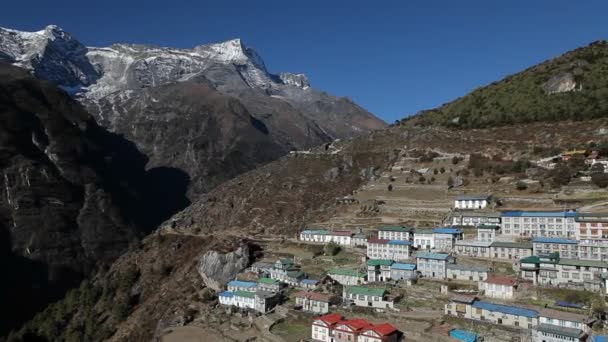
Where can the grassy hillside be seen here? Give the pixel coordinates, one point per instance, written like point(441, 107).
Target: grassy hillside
point(533, 94)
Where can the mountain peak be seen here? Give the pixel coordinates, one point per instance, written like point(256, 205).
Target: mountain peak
point(231, 51)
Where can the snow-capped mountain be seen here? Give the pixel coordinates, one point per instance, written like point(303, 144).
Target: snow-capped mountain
point(127, 86)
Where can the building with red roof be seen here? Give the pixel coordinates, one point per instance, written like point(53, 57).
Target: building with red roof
point(500, 287)
point(379, 333)
point(334, 328)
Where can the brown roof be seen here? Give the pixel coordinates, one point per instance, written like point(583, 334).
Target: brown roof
point(564, 315)
point(501, 280)
point(314, 296)
point(463, 298)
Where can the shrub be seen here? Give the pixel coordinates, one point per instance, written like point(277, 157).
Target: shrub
point(421, 179)
point(331, 248)
point(600, 179)
point(442, 170)
point(521, 186)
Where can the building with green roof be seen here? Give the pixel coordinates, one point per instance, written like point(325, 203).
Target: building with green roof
point(550, 270)
point(268, 284)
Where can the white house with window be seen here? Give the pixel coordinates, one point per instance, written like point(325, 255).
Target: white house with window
point(471, 201)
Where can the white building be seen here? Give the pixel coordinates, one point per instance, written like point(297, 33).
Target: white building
point(347, 276)
point(237, 285)
point(466, 272)
point(539, 223)
point(561, 326)
point(471, 202)
point(342, 238)
point(499, 287)
point(379, 270)
point(314, 235)
point(396, 233)
point(367, 297)
point(334, 328)
point(388, 249)
point(424, 239)
point(474, 218)
point(487, 232)
point(260, 301)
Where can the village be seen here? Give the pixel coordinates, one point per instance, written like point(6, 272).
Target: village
point(471, 268)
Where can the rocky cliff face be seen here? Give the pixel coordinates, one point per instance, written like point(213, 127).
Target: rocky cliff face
point(217, 269)
point(73, 195)
point(153, 94)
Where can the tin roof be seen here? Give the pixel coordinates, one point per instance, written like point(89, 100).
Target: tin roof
point(396, 229)
point(388, 242)
point(518, 213)
point(446, 230)
point(404, 267)
point(473, 243)
point(379, 262)
point(562, 331)
point(320, 297)
point(554, 240)
point(505, 244)
point(473, 268)
point(366, 291)
point(246, 294)
point(265, 280)
point(472, 197)
point(309, 281)
point(383, 329)
point(501, 280)
point(586, 263)
point(565, 316)
point(506, 309)
point(240, 283)
point(434, 256)
point(460, 298)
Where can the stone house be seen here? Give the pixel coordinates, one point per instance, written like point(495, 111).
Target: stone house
point(402, 271)
point(510, 250)
point(367, 297)
point(347, 276)
point(473, 248)
point(466, 272)
point(433, 265)
point(388, 249)
point(313, 302)
point(445, 238)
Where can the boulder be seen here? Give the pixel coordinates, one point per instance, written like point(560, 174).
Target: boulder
point(217, 269)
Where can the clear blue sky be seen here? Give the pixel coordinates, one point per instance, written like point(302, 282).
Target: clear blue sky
point(392, 57)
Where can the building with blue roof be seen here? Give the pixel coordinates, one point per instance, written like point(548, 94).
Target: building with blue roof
point(403, 271)
point(499, 314)
point(309, 284)
point(463, 335)
point(445, 238)
point(238, 285)
point(566, 248)
point(539, 223)
point(433, 265)
point(599, 338)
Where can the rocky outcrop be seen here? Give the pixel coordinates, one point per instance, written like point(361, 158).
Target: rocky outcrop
point(297, 80)
point(561, 83)
point(73, 196)
point(217, 269)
